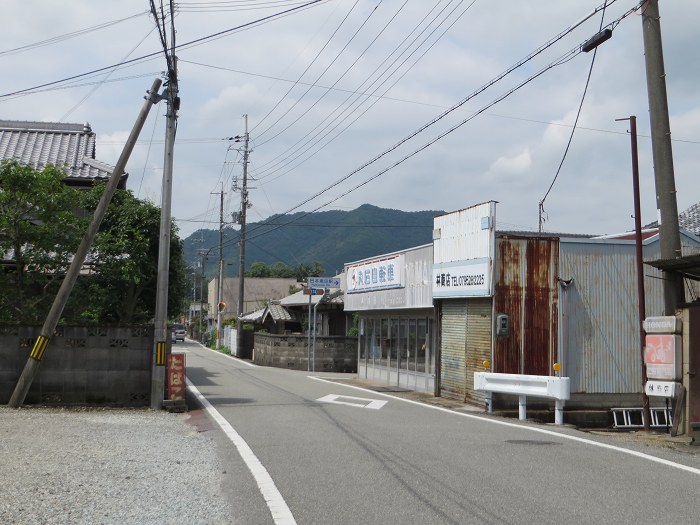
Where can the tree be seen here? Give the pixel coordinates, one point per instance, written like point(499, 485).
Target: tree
point(124, 259)
point(258, 269)
point(42, 222)
point(39, 232)
point(303, 271)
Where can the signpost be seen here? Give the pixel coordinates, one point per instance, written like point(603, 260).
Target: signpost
point(323, 282)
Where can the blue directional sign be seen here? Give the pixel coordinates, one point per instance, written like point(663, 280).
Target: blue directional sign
point(324, 282)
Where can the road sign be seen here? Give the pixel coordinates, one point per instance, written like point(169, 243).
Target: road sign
point(314, 291)
point(323, 282)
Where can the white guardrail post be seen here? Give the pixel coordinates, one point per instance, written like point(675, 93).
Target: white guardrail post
point(551, 387)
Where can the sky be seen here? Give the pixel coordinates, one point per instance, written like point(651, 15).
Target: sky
point(402, 104)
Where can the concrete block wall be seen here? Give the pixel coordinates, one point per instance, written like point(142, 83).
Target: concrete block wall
point(108, 366)
point(333, 353)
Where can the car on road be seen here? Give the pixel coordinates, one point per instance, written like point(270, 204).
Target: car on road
point(179, 331)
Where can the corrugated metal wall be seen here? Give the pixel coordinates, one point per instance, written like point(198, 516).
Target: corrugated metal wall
point(478, 343)
point(465, 344)
point(526, 290)
point(452, 348)
point(601, 337)
point(462, 235)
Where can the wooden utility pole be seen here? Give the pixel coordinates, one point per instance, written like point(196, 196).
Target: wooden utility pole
point(669, 236)
point(39, 349)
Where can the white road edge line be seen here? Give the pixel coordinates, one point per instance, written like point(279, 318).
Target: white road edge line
point(227, 355)
point(275, 502)
point(642, 455)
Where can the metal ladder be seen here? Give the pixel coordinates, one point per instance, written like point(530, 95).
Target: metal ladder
point(661, 417)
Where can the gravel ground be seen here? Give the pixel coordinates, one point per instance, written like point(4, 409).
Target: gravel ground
point(107, 466)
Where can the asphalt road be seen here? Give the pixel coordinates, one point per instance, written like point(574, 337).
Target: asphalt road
point(300, 449)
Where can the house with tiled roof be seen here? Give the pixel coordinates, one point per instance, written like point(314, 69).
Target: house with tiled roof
point(687, 220)
point(67, 146)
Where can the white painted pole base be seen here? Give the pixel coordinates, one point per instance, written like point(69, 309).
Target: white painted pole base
point(559, 412)
point(522, 408)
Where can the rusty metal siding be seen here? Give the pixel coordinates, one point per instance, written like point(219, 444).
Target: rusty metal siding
point(526, 290)
point(478, 344)
point(452, 348)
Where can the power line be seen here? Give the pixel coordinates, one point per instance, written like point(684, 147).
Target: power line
point(480, 90)
point(333, 61)
point(340, 118)
point(563, 59)
point(573, 129)
point(191, 43)
point(298, 81)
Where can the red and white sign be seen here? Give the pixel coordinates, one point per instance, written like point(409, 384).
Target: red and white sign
point(176, 376)
point(662, 355)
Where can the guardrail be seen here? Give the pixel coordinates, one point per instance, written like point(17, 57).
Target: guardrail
point(552, 387)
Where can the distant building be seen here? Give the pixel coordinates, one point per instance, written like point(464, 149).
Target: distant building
point(258, 292)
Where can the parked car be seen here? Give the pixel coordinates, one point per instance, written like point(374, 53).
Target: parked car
point(179, 331)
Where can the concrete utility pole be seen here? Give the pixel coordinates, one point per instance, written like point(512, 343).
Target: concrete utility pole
point(161, 336)
point(39, 349)
point(220, 283)
point(242, 218)
point(669, 236)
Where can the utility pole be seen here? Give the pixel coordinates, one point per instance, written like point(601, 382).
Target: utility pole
point(242, 218)
point(171, 96)
point(669, 236)
point(31, 369)
point(203, 257)
point(641, 296)
point(220, 283)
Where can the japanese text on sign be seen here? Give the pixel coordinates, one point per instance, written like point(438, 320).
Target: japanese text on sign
point(375, 275)
point(462, 280)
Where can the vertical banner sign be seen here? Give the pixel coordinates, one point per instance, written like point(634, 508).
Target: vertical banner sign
point(160, 353)
point(176, 376)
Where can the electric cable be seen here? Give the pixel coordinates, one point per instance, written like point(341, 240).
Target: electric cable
point(186, 45)
point(413, 134)
point(333, 61)
point(541, 211)
point(563, 59)
point(318, 54)
point(269, 170)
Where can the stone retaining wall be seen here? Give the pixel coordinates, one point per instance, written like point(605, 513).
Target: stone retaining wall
point(333, 353)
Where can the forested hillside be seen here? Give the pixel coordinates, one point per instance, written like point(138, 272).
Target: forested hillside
point(331, 237)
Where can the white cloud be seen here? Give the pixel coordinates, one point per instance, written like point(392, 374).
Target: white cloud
point(509, 153)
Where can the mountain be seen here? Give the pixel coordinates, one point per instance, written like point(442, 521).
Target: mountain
point(331, 237)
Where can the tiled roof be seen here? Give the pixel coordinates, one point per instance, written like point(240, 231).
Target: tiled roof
point(68, 146)
point(278, 312)
point(688, 220)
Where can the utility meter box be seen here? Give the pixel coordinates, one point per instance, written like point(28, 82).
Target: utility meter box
point(502, 325)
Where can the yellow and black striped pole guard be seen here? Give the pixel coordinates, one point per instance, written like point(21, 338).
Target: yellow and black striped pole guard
point(39, 348)
point(160, 353)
